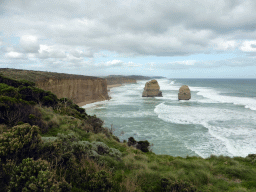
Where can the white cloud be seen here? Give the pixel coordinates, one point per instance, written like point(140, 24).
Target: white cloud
point(223, 45)
point(186, 62)
point(248, 46)
point(14, 55)
point(29, 43)
point(114, 63)
point(46, 51)
point(132, 64)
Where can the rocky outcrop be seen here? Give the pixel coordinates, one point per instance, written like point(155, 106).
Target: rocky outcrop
point(79, 90)
point(152, 89)
point(184, 93)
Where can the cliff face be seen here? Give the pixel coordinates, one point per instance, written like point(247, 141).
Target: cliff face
point(79, 90)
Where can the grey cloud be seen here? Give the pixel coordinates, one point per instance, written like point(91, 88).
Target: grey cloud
point(161, 28)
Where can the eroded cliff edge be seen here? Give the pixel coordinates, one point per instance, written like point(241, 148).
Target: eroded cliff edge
point(79, 88)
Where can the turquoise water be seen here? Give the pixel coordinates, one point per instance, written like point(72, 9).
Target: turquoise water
point(219, 119)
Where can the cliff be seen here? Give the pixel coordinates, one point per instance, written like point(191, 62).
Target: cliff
point(79, 88)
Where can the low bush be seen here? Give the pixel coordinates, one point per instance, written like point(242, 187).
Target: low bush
point(20, 142)
point(141, 145)
point(33, 175)
point(176, 186)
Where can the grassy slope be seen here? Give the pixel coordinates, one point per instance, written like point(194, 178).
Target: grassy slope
point(142, 171)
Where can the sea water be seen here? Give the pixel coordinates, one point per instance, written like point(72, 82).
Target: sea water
point(219, 119)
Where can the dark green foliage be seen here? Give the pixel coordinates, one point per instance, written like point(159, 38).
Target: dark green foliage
point(141, 145)
point(15, 83)
point(20, 142)
point(252, 158)
point(38, 95)
point(17, 110)
point(33, 175)
point(176, 186)
point(131, 141)
point(100, 181)
point(67, 107)
point(10, 92)
point(96, 124)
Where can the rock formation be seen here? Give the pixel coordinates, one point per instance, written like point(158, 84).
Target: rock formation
point(151, 89)
point(184, 93)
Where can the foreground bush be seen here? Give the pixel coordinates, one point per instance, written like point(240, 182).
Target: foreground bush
point(33, 175)
point(19, 142)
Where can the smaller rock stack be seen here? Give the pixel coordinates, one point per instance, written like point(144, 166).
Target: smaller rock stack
point(152, 89)
point(184, 93)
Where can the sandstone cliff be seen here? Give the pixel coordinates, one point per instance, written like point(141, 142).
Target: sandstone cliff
point(152, 89)
point(184, 93)
point(79, 88)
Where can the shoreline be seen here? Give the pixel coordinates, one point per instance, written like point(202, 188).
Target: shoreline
point(81, 104)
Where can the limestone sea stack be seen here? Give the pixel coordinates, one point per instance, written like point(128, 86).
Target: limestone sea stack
point(184, 93)
point(152, 89)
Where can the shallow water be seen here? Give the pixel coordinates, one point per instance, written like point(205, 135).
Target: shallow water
point(219, 119)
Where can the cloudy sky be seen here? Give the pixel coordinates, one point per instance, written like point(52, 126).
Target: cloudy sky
point(176, 39)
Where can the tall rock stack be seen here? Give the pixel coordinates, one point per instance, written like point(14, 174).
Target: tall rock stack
point(184, 93)
point(152, 89)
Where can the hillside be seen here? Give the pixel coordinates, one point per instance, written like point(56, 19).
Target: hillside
point(50, 144)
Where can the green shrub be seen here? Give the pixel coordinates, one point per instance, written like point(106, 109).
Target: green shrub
point(176, 186)
point(143, 146)
point(20, 142)
point(100, 147)
point(82, 148)
point(33, 175)
point(96, 124)
point(17, 110)
point(100, 181)
point(113, 152)
point(131, 141)
point(10, 92)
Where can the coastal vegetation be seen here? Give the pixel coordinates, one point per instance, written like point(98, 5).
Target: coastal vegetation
point(51, 144)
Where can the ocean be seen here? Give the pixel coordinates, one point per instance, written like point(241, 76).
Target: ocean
point(219, 119)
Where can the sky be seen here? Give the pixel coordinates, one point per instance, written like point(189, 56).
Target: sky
point(175, 39)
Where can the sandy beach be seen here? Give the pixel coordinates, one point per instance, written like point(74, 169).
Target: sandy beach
point(111, 86)
point(92, 101)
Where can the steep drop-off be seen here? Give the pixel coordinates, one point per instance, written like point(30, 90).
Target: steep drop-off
point(79, 90)
point(76, 87)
